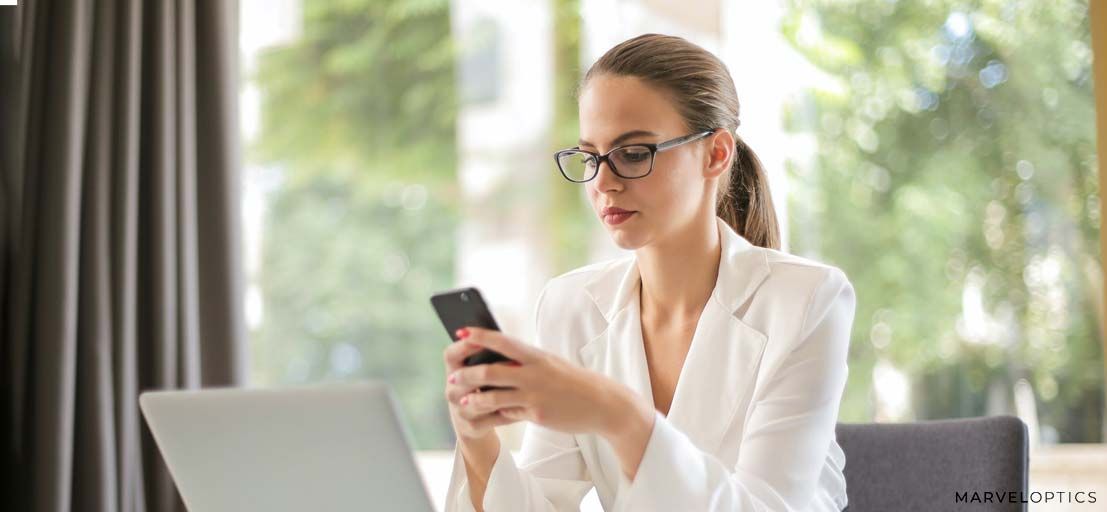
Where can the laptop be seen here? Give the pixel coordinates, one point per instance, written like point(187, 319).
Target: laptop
point(332, 447)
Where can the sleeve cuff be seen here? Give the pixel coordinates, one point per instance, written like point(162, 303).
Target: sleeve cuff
point(503, 483)
point(668, 470)
point(457, 497)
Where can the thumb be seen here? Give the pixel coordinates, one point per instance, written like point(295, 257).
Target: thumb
point(497, 341)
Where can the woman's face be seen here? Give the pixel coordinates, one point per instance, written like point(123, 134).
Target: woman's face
point(620, 110)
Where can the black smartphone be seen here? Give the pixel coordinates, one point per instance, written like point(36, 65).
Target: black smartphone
point(463, 307)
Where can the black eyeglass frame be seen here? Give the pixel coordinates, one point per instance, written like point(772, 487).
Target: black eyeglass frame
point(600, 159)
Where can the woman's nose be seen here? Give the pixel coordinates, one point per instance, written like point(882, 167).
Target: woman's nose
point(606, 178)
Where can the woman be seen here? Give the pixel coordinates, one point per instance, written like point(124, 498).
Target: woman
point(704, 372)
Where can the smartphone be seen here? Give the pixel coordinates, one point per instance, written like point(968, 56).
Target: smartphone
point(463, 307)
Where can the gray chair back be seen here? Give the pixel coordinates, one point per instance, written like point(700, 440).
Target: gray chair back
point(929, 465)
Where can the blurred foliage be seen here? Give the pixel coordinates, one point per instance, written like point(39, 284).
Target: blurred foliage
point(955, 182)
point(358, 128)
point(955, 164)
point(358, 125)
point(571, 221)
point(368, 87)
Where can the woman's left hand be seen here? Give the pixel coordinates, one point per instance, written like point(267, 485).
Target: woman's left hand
point(546, 389)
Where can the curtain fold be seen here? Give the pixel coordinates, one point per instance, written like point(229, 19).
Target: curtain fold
point(119, 263)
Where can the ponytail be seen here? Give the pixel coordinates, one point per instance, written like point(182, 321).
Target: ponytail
point(747, 205)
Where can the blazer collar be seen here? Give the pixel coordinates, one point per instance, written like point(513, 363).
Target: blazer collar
point(741, 271)
point(725, 353)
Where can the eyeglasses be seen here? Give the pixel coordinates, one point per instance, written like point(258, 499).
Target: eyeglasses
point(631, 161)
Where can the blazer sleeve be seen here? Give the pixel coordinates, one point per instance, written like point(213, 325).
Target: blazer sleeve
point(550, 476)
point(787, 434)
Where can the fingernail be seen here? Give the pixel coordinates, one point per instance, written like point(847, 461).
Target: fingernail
point(452, 378)
point(462, 333)
point(464, 400)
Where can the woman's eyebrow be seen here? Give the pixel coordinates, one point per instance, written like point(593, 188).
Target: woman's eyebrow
point(621, 138)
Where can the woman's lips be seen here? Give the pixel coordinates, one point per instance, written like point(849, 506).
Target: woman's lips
point(614, 219)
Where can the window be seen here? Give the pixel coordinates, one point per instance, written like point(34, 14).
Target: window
point(941, 153)
point(350, 169)
point(953, 177)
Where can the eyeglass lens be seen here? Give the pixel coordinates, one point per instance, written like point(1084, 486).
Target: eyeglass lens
point(629, 162)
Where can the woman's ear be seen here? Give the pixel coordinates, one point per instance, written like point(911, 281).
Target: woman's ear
point(720, 153)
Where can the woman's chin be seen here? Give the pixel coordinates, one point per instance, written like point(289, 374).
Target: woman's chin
point(626, 240)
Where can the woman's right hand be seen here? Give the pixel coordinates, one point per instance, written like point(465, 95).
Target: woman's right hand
point(468, 425)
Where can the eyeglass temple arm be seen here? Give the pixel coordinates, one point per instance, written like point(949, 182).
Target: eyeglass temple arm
point(682, 140)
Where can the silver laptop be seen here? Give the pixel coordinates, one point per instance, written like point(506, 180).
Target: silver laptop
point(332, 447)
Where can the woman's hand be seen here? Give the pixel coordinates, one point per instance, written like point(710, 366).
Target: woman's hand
point(544, 389)
point(469, 423)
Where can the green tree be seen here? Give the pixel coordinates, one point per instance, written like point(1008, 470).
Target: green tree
point(570, 222)
point(358, 126)
point(358, 121)
point(955, 184)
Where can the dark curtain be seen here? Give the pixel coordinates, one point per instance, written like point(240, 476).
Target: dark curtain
point(119, 263)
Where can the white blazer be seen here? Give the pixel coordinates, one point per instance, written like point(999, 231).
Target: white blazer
point(751, 425)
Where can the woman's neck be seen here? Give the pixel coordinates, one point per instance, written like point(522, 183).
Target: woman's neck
point(679, 274)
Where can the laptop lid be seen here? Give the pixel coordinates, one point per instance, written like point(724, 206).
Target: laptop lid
point(325, 447)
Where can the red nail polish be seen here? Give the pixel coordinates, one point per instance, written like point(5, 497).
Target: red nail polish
point(464, 400)
point(462, 333)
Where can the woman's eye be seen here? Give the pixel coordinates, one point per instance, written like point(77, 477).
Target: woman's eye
point(636, 156)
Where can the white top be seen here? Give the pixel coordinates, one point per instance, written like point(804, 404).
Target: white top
point(751, 425)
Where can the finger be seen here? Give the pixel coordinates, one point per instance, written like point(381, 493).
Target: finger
point(490, 420)
point(514, 413)
point(509, 347)
point(489, 401)
point(456, 352)
point(454, 393)
point(500, 375)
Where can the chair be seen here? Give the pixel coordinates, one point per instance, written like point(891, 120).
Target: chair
point(925, 465)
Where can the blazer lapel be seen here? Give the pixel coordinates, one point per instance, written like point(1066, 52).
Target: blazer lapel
point(721, 367)
point(617, 351)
